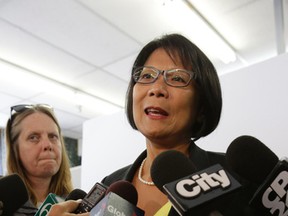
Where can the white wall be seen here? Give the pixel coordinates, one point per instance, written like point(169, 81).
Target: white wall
point(255, 102)
point(108, 144)
point(76, 176)
point(3, 120)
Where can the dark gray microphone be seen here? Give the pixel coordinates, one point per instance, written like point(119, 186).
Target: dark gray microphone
point(76, 194)
point(13, 194)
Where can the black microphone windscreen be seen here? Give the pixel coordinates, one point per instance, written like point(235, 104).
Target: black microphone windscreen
point(169, 166)
point(76, 194)
point(250, 158)
point(124, 189)
point(13, 193)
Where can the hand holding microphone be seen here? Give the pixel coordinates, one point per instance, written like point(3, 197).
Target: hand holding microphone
point(53, 199)
point(63, 208)
point(71, 203)
point(120, 199)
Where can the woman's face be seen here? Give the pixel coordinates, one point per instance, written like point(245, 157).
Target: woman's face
point(39, 145)
point(163, 111)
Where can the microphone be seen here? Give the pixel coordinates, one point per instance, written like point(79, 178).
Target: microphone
point(50, 200)
point(9, 186)
point(96, 193)
point(76, 194)
point(252, 160)
point(169, 166)
point(120, 199)
point(190, 192)
point(124, 189)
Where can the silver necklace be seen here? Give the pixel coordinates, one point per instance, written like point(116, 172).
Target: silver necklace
point(150, 183)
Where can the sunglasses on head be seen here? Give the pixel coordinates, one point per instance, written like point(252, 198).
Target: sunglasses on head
point(22, 107)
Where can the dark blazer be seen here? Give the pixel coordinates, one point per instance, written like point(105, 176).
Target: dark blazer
point(235, 205)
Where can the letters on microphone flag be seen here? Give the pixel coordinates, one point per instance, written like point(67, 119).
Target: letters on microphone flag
point(197, 189)
point(112, 204)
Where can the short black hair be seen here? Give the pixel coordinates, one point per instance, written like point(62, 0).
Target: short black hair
point(207, 80)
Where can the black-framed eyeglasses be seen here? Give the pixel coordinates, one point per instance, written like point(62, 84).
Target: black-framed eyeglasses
point(173, 77)
point(22, 107)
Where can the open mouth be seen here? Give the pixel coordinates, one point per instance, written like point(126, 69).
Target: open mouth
point(156, 111)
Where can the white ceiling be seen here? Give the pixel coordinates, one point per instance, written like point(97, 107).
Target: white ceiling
point(90, 45)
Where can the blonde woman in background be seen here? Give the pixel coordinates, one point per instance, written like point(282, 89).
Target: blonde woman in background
point(36, 151)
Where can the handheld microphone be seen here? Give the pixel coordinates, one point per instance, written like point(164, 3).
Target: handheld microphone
point(9, 186)
point(124, 189)
point(120, 199)
point(251, 159)
point(169, 166)
point(96, 193)
point(190, 192)
point(50, 200)
point(76, 194)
